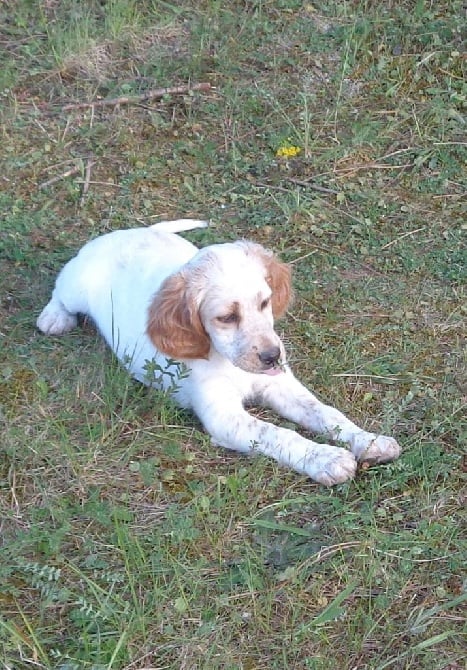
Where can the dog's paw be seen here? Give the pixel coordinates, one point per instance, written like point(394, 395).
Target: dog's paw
point(332, 465)
point(55, 320)
point(372, 449)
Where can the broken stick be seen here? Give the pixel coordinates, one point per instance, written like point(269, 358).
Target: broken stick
point(69, 173)
point(87, 180)
point(132, 99)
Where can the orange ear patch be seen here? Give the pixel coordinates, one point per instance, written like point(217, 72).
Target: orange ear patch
point(174, 325)
point(279, 278)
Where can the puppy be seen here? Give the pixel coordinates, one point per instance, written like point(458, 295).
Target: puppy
point(200, 323)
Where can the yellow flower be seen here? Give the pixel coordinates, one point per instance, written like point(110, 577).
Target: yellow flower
point(288, 151)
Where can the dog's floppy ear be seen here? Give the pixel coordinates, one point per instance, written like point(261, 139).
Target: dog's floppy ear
point(279, 279)
point(174, 325)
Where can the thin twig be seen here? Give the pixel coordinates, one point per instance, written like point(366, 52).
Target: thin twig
point(448, 144)
point(401, 237)
point(13, 493)
point(344, 213)
point(327, 552)
point(134, 99)
point(450, 195)
point(259, 184)
point(368, 376)
point(69, 173)
point(307, 183)
point(396, 153)
point(369, 315)
point(103, 183)
point(414, 560)
point(87, 180)
point(372, 166)
point(323, 554)
point(301, 258)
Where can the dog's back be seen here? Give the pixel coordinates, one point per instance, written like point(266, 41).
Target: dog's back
point(130, 264)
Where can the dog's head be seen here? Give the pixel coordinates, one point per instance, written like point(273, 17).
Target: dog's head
point(225, 299)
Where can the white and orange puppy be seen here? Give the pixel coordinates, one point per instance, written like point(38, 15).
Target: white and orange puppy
point(201, 324)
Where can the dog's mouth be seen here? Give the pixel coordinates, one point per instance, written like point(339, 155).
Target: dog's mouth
point(273, 371)
point(270, 368)
point(276, 369)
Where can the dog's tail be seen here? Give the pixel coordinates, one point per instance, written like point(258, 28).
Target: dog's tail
point(179, 226)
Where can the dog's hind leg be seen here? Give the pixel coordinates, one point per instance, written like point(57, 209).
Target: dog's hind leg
point(68, 299)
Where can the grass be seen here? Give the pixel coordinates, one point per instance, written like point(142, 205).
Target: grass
point(127, 540)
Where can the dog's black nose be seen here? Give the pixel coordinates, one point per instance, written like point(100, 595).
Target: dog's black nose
point(270, 357)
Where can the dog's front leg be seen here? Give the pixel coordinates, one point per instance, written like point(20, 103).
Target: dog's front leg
point(231, 426)
point(288, 397)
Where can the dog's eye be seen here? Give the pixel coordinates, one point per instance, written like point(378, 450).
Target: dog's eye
point(264, 304)
point(228, 318)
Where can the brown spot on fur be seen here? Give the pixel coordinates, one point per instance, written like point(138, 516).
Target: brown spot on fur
point(174, 325)
point(279, 279)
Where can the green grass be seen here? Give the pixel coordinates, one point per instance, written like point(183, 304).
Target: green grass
point(127, 540)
